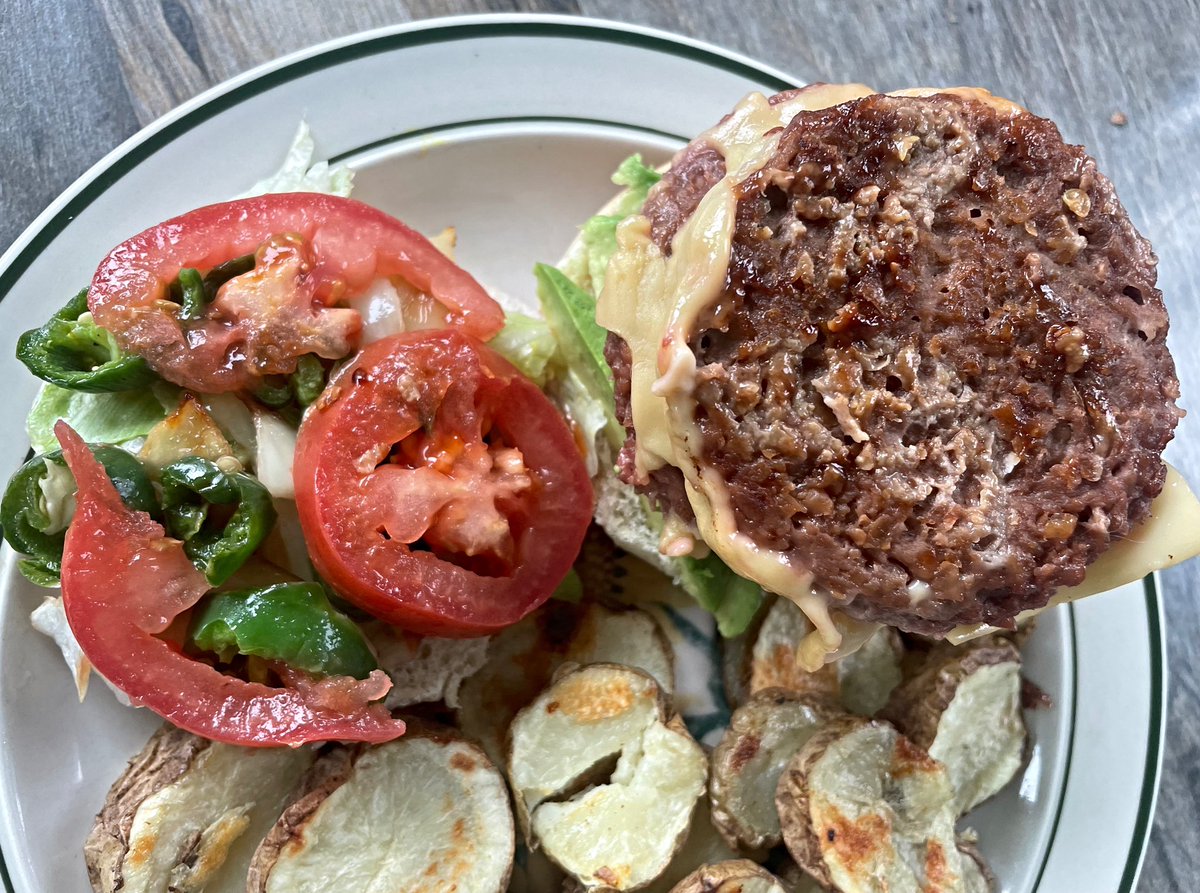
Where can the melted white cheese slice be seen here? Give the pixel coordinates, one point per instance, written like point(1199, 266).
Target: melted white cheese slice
point(1170, 535)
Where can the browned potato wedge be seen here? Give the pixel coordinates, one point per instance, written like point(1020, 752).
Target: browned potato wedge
point(763, 736)
point(187, 814)
point(522, 659)
point(766, 657)
point(734, 876)
point(964, 708)
point(424, 812)
point(604, 782)
point(863, 811)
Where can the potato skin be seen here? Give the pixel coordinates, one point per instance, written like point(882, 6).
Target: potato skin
point(709, 878)
point(793, 802)
point(917, 705)
point(166, 757)
point(750, 727)
point(326, 775)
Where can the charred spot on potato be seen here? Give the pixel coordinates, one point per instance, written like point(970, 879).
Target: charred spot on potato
point(862, 810)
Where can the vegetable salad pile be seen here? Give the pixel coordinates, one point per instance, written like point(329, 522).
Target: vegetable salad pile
point(266, 422)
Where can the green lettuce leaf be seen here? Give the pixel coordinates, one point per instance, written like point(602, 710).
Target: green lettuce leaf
point(571, 314)
point(113, 417)
point(528, 344)
point(731, 599)
point(599, 234)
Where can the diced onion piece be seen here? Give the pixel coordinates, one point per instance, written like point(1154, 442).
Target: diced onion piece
point(274, 451)
point(380, 309)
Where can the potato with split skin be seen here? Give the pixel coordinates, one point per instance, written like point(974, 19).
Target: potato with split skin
point(522, 659)
point(766, 656)
point(734, 876)
point(187, 814)
point(763, 736)
point(865, 811)
point(605, 781)
point(426, 812)
point(964, 708)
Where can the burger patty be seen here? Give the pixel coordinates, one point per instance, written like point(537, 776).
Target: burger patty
point(938, 375)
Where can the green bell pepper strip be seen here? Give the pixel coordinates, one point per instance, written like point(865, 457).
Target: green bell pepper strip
point(289, 622)
point(74, 353)
point(303, 386)
point(31, 531)
point(309, 379)
point(194, 292)
point(190, 487)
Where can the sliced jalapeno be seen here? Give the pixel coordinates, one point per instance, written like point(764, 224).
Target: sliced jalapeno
point(35, 513)
point(73, 352)
point(290, 622)
point(218, 544)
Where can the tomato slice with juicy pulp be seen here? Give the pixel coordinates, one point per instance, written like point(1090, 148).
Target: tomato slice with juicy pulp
point(438, 488)
point(312, 252)
point(124, 582)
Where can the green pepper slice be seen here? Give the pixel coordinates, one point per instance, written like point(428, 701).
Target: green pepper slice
point(290, 622)
point(31, 531)
point(73, 352)
point(190, 487)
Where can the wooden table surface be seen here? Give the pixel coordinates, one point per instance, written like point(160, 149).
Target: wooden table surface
point(79, 76)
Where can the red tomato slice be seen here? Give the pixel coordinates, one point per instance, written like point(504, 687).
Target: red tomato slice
point(438, 489)
point(124, 581)
point(312, 252)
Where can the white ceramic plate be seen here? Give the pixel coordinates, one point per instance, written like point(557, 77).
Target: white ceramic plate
point(506, 127)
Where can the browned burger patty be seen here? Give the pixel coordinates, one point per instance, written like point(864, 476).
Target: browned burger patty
point(938, 376)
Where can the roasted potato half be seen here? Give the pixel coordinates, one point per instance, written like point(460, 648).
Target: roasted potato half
point(427, 811)
point(522, 659)
point(605, 782)
point(734, 876)
point(964, 708)
point(767, 657)
point(863, 810)
point(763, 736)
point(187, 814)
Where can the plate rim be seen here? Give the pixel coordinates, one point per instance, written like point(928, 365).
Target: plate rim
point(115, 164)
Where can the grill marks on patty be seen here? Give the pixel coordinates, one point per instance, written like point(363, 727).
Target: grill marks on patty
point(938, 375)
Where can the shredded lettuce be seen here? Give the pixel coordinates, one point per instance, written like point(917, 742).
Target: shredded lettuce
point(114, 417)
point(599, 234)
point(299, 174)
point(528, 344)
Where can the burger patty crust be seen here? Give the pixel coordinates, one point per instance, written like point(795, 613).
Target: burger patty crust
point(938, 375)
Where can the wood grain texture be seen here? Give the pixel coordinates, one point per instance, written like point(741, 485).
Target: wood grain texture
point(79, 77)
